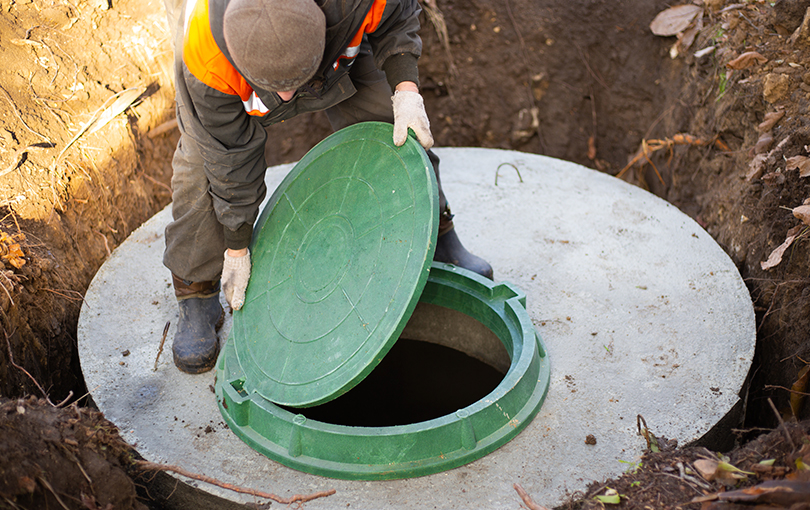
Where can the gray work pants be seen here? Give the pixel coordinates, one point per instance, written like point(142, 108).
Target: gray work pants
point(194, 240)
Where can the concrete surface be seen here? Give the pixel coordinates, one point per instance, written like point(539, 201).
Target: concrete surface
point(641, 312)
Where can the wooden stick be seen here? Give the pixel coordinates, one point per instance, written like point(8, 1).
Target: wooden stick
point(302, 498)
point(782, 424)
point(527, 500)
point(162, 341)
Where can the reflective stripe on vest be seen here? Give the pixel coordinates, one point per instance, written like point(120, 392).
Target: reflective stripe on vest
point(370, 24)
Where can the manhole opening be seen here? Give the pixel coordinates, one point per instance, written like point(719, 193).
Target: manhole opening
point(444, 361)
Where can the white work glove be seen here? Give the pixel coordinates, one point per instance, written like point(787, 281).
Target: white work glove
point(409, 112)
point(235, 276)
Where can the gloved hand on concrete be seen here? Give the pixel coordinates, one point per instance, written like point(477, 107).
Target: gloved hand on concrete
point(409, 112)
point(235, 276)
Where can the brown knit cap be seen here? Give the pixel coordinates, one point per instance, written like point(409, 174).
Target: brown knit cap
point(277, 44)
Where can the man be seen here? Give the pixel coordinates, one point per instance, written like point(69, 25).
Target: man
point(241, 65)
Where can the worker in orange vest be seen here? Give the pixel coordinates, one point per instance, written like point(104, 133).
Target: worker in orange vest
point(241, 65)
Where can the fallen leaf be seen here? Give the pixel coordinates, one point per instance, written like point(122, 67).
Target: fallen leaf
point(27, 484)
point(707, 468)
point(704, 52)
point(763, 143)
point(611, 497)
point(674, 20)
point(799, 388)
point(803, 213)
point(591, 148)
point(800, 162)
point(688, 36)
point(747, 59)
point(781, 492)
point(771, 118)
point(756, 167)
point(776, 255)
point(730, 468)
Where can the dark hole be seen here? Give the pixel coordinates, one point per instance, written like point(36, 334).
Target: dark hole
point(415, 382)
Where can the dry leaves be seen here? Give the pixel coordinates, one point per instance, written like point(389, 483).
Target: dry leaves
point(674, 20)
point(746, 60)
point(720, 470)
point(776, 255)
point(771, 118)
point(10, 249)
point(756, 167)
point(775, 492)
point(800, 162)
point(763, 143)
point(798, 391)
point(802, 213)
point(683, 21)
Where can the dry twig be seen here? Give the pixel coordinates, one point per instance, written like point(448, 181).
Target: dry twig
point(58, 293)
point(106, 244)
point(297, 498)
point(782, 424)
point(47, 485)
point(11, 360)
point(157, 182)
point(775, 387)
point(162, 341)
point(3, 274)
point(527, 500)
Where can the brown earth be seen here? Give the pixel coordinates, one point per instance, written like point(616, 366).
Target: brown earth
point(581, 80)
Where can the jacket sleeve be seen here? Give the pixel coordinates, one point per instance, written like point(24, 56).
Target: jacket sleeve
point(395, 43)
point(231, 143)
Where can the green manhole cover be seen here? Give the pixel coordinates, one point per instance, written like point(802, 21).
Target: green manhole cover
point(340, 255)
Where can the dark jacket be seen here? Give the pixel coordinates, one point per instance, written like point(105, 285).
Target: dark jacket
point(225, 114)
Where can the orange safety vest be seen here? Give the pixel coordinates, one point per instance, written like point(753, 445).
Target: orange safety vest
point(207, 62)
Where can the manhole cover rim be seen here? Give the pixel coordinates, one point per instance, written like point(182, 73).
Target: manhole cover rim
point(529, 366)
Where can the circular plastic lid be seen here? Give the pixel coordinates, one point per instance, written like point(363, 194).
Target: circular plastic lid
point(339, 256)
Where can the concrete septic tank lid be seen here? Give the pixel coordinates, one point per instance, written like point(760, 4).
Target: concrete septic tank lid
point(340, 255)
point(640, 310)
point(417, 449)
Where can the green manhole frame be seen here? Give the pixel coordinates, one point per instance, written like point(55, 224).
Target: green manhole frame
point(403, 451)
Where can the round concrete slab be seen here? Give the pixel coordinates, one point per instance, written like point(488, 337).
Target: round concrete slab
point(641, 313)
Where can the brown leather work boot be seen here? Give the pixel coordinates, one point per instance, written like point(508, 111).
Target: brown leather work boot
point(196, 345)
point(449, 249)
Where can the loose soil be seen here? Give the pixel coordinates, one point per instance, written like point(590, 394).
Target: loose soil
point(582, 80)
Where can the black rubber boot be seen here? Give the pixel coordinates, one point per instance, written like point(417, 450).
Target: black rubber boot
point(196, 345)
point(449, 249)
